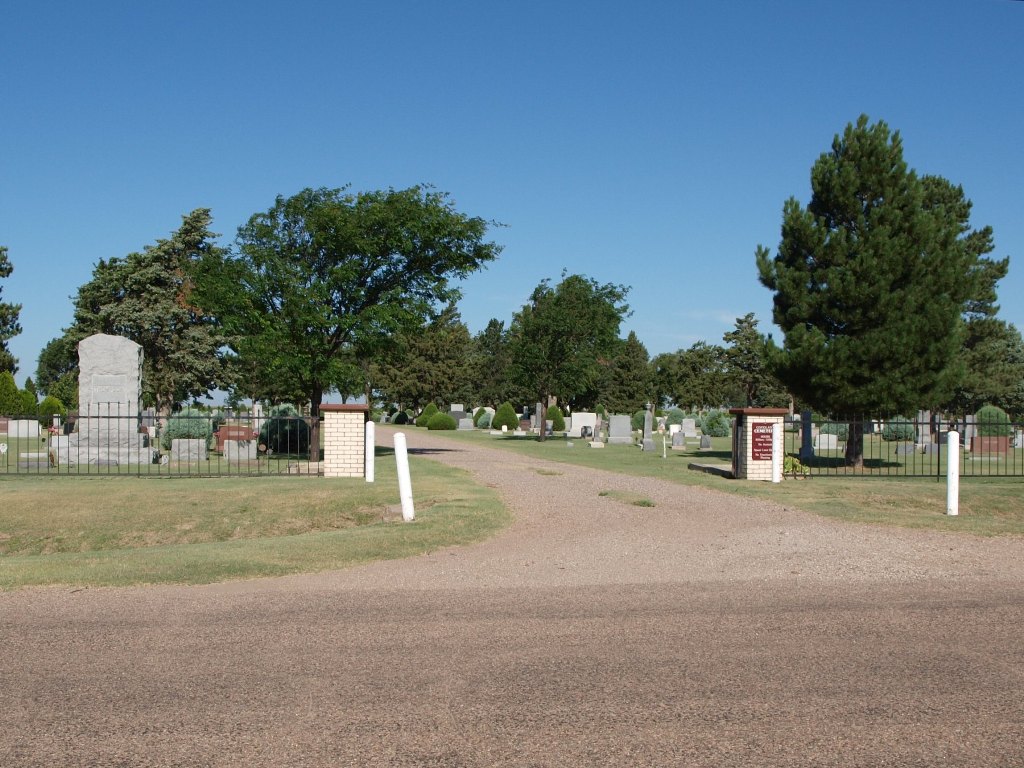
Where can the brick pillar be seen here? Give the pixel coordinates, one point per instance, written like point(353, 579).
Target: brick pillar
point(752, 441)
point(344, 440)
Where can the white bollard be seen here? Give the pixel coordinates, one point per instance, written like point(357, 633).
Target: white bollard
point(368, 464)
point(404, 480)
point(777, 447)
point(952, 473)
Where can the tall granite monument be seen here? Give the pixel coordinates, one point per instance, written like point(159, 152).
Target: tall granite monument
point(109, 403)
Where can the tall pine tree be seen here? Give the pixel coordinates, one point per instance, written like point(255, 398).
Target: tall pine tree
point(871, 281)
point(9, 327)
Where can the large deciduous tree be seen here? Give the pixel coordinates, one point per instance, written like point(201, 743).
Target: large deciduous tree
point(9, 327)
point(323, 275)
point(147, 297)
point(692, 378)
point(871, 281)
point(560, 339)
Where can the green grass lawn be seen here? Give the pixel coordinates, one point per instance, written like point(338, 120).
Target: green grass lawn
point(989, 504)
point(120, 531)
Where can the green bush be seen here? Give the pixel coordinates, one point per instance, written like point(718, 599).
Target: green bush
point(187, 424)
point(600, 411)
point(49, 408)
point(841, 430)
point(993, 421)
point(402, 417)
point(637, 420)
point(423, 419)
point(900, 428)
point(441, 421)
point(477, 415)
point(557, 419)
point(285, 431)
point(675, 416)
point(715, 424)
point(484, 421)
point(505, 416)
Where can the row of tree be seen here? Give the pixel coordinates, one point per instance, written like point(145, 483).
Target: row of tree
point(885, 294)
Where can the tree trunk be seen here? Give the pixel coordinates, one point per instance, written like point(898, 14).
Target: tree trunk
point(542, 417)
point(315, 398)
point(854, 445)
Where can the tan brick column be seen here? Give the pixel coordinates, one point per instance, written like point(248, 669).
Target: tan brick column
point(344, 440)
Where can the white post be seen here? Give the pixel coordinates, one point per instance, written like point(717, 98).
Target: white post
point(404, 481)
point(664, 447)
point(371, 436)
point(776, 453)
point(952, 473)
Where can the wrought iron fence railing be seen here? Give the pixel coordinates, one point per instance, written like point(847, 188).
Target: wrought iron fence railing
point(905, 447)
point(116, 442)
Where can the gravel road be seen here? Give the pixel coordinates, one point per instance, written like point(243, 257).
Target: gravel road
point(708, 630)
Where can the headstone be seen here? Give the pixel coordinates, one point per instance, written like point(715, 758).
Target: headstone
point(705, 442)
point(970, 430)
point(924, 427)
point(620, 431)
point(806, 436)
point(458, 415)
point(674, 428)
point(189, 450)
point(109, 403)
point(452, 407)
point(23, 428)
point(678, 441)
point(582, 420)
point(826, 442)
point(1018, 439)
point(689, 427)
point(466, 424)
point(240, 451)
point(648, 444)
point(905, 449)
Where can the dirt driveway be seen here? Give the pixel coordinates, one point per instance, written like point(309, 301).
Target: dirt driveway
point(707, 630)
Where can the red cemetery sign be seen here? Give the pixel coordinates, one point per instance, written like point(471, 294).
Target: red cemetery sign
point(761, 440)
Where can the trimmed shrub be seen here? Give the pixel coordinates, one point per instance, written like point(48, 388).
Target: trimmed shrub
point(476, 416)
point(834, 428)
point(601, 411)
point(285, 431)
point(10, 395)
point(426, 414)
point(715, 424)
point(900, 428)
point(49, 408)
point(675, 416)
point(441, 421)
point(505, 416)
point(187, 424)
point(484, 421)
point(637, 420)
point(993, 421)
point(557, 419)
point(402, 417)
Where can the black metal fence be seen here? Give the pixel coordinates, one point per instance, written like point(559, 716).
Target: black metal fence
point(905, 447)
point(110, 442)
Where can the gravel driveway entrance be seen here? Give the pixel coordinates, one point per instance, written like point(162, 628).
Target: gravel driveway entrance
point(707, 630)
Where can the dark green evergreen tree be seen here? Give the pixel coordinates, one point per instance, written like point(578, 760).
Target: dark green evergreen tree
point(629, 384)
point(693, 378)
point(871, 281)
point(9, 327)
point(748, 368)
point(147, 297)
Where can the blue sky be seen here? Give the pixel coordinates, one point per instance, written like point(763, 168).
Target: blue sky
point(646, 143)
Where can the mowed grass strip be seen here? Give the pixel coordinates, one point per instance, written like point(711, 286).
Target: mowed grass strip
point(989, 506)
point(121, 531)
